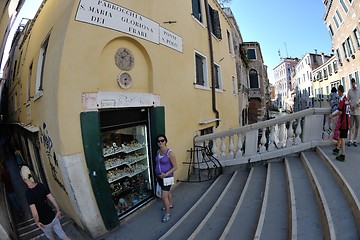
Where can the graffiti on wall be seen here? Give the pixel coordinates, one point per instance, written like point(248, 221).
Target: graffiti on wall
point(45, 139)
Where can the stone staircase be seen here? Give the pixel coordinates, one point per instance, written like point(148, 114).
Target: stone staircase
point(28, 230)
point(308, 195)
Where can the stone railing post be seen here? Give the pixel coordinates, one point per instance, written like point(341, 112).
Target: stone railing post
point(290, 135)
point(214, 148)
point(272, 139)
point(263, 141)
point(239, 151)
point(222, 148)
point(231, 147)
point(282, 140)
point(298, 132)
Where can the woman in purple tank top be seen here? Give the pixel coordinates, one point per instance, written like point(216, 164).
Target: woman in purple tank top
point(165, 167)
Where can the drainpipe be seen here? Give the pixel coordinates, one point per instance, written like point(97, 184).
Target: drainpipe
point(209, 28)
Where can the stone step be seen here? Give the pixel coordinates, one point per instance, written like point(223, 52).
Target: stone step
point(29, 230)
point(273, 221)
point(304, 216)
point(185, 226)
point(337, 218)
point(215, 221)
point(243, 222)
point(347, 178)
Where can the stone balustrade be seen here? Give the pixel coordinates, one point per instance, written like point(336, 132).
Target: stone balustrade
point(270, 139)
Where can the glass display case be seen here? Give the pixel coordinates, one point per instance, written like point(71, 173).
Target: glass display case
point(126, 157)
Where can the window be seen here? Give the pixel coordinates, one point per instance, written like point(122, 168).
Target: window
point(229, 41)
point(357, 77)
point(40, 69)
point(200, 70)
point(338, 54)
point(14, 70)
point(325, 73)
point(344, 6)
point(331, 30)
point(254, 79)
point(15, 103)
point(336, 21)
point(215, 23)
point(314, 59)
point(330, 69)
point(345, 49)
point(350, 77)
point(335, 66)
point(196, 10)
point(357, 37)
point(29, 83)
point(206, 131)
point(217, 75)
point(251, 53)
point(350, 45)
point(339, 15)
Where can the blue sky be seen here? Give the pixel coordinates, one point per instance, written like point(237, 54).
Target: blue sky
point(27, 11)
point(298, 23)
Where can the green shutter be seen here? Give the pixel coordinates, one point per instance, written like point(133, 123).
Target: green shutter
point(90, 129)
point(157, 126)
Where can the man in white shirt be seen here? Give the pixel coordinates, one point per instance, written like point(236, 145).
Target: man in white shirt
point(353, 96)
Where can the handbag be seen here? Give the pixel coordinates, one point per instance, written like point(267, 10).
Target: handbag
point(158, 190)
point(168, 181)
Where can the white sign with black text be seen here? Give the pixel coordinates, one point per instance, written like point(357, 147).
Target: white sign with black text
point(106, 14)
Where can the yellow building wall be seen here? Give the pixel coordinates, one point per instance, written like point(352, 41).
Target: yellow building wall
point(80, 59)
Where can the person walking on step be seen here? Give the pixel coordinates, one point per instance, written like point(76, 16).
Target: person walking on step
point(164, 169)
point(353, 96)
point(334, 102)
point(45, 218)
point(344, 115)
point(9, 187)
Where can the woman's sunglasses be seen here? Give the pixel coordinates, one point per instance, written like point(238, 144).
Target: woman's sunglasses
point(161, 140)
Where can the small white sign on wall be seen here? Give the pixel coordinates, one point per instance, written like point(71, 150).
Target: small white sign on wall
point(170, 39)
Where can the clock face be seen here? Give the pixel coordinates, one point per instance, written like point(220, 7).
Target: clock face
point(124, 59)
point(124, 80)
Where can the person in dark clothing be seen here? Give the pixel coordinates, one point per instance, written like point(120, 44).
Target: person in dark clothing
point(9, 188)
point(37, 196)
point(343, 113)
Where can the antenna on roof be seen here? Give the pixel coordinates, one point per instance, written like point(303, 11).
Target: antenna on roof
point(287, 55)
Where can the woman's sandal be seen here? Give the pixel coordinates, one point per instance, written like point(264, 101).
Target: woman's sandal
point(166, 218)
point(163, 208)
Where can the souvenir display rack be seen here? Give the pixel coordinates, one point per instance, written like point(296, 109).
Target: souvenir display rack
point(126, 159)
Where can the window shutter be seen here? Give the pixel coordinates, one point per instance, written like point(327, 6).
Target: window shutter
point(199, 71)
point(196, 9)
point(215, 23)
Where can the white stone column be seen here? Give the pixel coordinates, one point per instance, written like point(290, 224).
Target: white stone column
point(298, 132)
point(214, 148)
point(263, 141)
point(222, 148)
point(290, 135)
point(231, 147)
point(239, 151)
point(272, 139)
point(282, 139)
